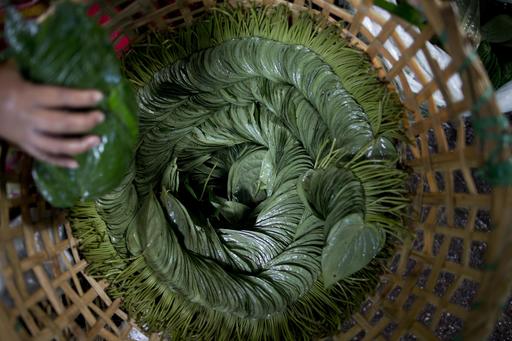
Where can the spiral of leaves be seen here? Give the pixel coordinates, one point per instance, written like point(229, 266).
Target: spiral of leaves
point(264, 184)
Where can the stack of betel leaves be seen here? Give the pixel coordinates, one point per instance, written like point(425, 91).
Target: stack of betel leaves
point(264, 198)
point(69, 49)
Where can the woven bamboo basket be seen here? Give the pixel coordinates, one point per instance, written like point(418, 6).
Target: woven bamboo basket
point(446, 282)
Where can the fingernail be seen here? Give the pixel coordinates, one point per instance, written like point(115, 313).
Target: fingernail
point(98, 96)
point(100, 117)
point(73, 164)
point(94, 141)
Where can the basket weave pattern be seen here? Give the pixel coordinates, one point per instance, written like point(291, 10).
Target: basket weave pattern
point(48, 294)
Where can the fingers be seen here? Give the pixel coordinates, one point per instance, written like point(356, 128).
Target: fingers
point(56, 160)
point(57, 150)
point(62, 122)
point(57, 97)
point(64, 146)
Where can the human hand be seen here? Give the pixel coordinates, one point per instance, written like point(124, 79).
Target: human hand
point(37, 118)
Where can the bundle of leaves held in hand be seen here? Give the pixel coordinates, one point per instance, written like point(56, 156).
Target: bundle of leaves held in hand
point(69, 49)
point(264, 186)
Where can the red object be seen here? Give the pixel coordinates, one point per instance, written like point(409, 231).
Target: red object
point(121, 41)
point(93, 10)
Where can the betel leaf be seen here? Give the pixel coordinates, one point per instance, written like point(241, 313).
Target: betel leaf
point(69, 49)
point(148, 227)
point(232, 211)
point(382, 148)
point(179, 217)
point(498, 29)
point(498, 70)
point(331, 194)
point(244, 183)
point(171, 177)
point(351, 245)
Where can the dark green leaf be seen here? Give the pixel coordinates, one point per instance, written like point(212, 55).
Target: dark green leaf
point(244, 184)
point(331, 194)
point(498, 29)
point(382, 148)
point(232, 211)
point(178, 215)
point(351, 245)
point(499, 71)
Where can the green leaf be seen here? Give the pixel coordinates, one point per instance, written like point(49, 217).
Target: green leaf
point(232, 211)
point(331, 194)
point(304, 191)
point(404, 11)
point(469, 17)
point(351, 245)
point(244, 183)
point(498, 29)
point(171, 177)
point(178, 215)
point(133, 243)
point(499, 71)
point(69, 49)
point(267, 176)
point(148, 228)
point(381, 148)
